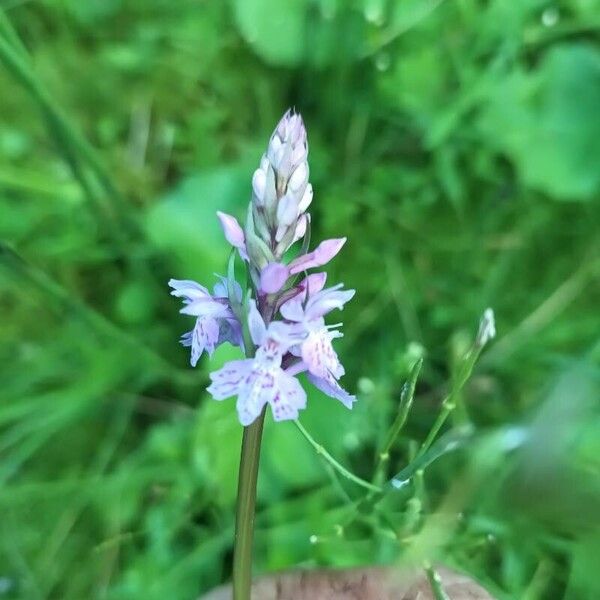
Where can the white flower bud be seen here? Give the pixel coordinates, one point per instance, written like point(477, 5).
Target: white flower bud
point(259, 181)
point(281, 192)
point(264, 163)
point(299, 178)
point(306, 199)
point(287, 209)
point(301, 226)
point(487, 328)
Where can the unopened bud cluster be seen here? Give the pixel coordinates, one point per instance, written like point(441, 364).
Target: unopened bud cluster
point(281, 192)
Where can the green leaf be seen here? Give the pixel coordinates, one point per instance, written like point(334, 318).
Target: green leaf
point(185, 224)
point(547, 123)
point(275, 29)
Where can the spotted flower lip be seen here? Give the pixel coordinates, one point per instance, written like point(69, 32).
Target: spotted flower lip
point(308, 335)
point(260, 380)
point(215, 321)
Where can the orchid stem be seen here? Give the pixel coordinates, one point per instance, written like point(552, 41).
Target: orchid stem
point(449, 404)
point(246, 502)
point(404, 406)
point(334, 463)
point(435, 583)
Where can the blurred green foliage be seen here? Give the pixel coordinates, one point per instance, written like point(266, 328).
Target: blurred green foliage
point(456, 144)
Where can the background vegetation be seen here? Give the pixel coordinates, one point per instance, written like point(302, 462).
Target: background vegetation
point(456, 144)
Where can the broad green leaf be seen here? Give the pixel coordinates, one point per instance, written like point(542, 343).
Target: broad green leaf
point(547, 123)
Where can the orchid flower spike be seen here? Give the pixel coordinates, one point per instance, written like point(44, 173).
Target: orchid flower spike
point(285, 318)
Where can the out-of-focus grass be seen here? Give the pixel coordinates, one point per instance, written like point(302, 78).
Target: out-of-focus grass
point(456, 144)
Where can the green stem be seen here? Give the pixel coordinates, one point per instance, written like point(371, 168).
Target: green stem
point(447, 408)
point(246, 501)
point(449, 404)
point(334, 463)
point(404, 406)
point(435, 582)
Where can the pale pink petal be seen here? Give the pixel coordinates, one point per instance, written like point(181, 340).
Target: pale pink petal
point(226, 381)
point(292, 310)
point(333, 389)
point(320, 256)
point(296, 368)
point(289, 399)
point(206, 307)
point(188, 289)
point(319, 355)
point(286, 335)
point(273, 277)
point(234, 234)
point(256, 324)
point(327, 300)
point(314, 283)
point(256, 390)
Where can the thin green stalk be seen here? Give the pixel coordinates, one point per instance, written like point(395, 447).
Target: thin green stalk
point(245, 513)
point(450, 442)
point(248, 473)
point(465, 369)
point(334, 463)
point(447, 407)
point(435, 581)
point(404, 406)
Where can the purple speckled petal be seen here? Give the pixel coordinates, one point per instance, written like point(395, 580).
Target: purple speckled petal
point(226, 381)
point(215, 321)
point(204, 336)
point(319, 356)
point(319, 303)
point(333, 389)
point(258, 388)
point(289, 399)
point(230, 331)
